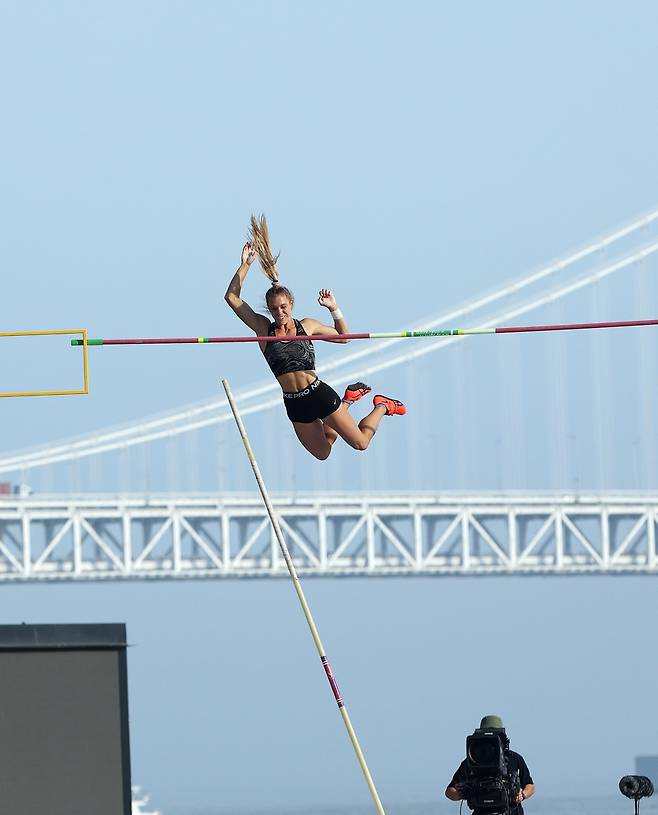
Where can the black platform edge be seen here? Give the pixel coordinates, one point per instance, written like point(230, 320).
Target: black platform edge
point(69, 637)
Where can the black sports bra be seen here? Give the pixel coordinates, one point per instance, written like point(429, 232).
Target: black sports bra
point(288, 356)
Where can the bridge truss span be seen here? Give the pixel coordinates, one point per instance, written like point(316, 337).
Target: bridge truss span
point(82, 538)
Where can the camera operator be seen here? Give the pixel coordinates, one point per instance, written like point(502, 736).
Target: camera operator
point(515, 781)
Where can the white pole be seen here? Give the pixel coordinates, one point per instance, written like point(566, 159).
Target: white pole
point(302, 599)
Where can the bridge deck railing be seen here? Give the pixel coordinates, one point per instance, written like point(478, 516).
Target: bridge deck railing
point(103, 537)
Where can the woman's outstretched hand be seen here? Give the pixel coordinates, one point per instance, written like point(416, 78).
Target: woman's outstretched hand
point(327, 299)
point(248, 254)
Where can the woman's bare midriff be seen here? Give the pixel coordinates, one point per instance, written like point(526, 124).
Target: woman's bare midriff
point(296, 381)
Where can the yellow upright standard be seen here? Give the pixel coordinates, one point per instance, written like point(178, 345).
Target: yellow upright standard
point(82, 332)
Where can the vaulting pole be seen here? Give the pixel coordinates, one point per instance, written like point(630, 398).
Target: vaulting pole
point(302, 599)
point(374, 335)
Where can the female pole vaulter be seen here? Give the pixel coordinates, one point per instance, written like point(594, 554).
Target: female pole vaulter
point(316, 411)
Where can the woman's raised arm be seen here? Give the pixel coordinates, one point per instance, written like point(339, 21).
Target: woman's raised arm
point(327, 299)
point(256, 322)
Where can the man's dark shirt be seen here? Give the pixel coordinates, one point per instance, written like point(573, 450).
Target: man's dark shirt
point(515, 762)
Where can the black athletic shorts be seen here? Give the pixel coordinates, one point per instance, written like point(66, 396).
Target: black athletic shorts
point(315, 402)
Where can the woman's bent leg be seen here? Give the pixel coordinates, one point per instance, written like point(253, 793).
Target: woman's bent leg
point(357, 436)
point(312, 436)
point(329, 432)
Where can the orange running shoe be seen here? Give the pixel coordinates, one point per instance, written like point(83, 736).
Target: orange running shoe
point(355, 392)
point(393, 407)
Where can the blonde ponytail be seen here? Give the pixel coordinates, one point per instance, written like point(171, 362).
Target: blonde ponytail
point(260, 238)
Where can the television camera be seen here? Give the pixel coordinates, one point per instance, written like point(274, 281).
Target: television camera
point(491, 783)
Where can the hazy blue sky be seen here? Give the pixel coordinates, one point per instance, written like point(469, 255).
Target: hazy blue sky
point(409, 156)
